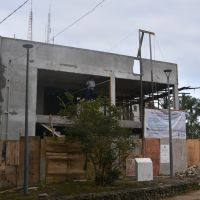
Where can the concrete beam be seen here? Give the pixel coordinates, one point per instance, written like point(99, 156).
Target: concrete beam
point(112, 89)
point(54, 119)
point(175, 97)
point(63, 121)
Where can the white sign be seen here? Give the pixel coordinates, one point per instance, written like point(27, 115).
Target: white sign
point(156, 124)
point(164, 153)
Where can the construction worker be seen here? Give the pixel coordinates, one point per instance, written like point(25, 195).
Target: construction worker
point(89, 94)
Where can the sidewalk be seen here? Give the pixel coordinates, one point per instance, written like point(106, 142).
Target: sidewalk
point(195, 195)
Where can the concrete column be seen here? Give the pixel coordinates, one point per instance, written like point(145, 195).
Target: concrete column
point(175, 97)
point(32, 100)
point(112, 89)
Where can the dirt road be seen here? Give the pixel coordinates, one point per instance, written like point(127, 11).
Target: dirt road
point(195, 195)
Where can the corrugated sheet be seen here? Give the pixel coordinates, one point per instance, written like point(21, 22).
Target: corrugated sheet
point(193, 151)
point(152, 150)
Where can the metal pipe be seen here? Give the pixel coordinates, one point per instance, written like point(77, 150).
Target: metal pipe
point(152, 85)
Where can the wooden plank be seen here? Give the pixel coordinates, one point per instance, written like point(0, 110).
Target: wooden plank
point(62, 146)
point(34, 161)
point(43, 160)
point(51, 130)
point(11, 174)
point(12, 153)
point(65, 165)
point(64, 161)
point(20, 168)
point(1, 151)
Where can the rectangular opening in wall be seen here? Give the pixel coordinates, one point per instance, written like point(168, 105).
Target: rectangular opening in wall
point(53, 84)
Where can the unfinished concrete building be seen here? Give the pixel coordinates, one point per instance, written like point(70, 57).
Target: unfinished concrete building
point(54, 69)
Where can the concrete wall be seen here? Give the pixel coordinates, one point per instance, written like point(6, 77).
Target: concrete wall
point(158, 71)
point(57, 58)
point(164, 167)
point(179, 156)
point(69, 59)
point(13, 118)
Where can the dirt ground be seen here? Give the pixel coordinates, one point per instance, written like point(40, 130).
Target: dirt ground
point(195, 195)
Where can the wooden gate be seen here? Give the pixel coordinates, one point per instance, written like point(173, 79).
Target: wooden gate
point(64, 160)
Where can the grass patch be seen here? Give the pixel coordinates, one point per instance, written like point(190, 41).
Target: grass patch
point(85, 187)
point(71, 188)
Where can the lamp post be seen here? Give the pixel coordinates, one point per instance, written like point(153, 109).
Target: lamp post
point(26, 155)
point(167, 73)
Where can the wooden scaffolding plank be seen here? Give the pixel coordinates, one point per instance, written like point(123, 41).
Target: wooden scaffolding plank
point(51, 130)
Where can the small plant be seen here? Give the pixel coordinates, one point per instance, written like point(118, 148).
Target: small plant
point(107, 179)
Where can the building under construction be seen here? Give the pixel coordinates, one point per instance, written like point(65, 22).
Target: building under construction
point(54, 69)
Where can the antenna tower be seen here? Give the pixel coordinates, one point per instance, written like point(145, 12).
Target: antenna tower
point(30, 24)
point(48, 29)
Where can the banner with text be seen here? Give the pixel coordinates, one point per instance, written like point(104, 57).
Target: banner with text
point(156, 124)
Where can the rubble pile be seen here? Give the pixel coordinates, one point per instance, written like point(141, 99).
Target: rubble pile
point(191, 171)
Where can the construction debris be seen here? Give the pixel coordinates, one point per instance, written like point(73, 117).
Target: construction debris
point(191, 171)
point(43, 196)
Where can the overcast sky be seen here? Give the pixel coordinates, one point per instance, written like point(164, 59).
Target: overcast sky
point(113, 27)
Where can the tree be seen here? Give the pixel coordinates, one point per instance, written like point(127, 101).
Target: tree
point(191, 106)
point(104, 143)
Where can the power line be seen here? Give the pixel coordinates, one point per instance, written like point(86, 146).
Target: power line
point(121, 40)
point(159, 47)
point(79, 19)
point(14, 11)
point(69, 26)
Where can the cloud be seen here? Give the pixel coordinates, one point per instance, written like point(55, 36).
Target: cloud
point(175, 22)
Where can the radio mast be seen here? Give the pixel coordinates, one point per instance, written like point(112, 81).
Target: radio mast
point(30, 24)
point(48, 29)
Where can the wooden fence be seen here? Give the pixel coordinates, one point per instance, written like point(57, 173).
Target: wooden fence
point(55, 160)
point(50, 160)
